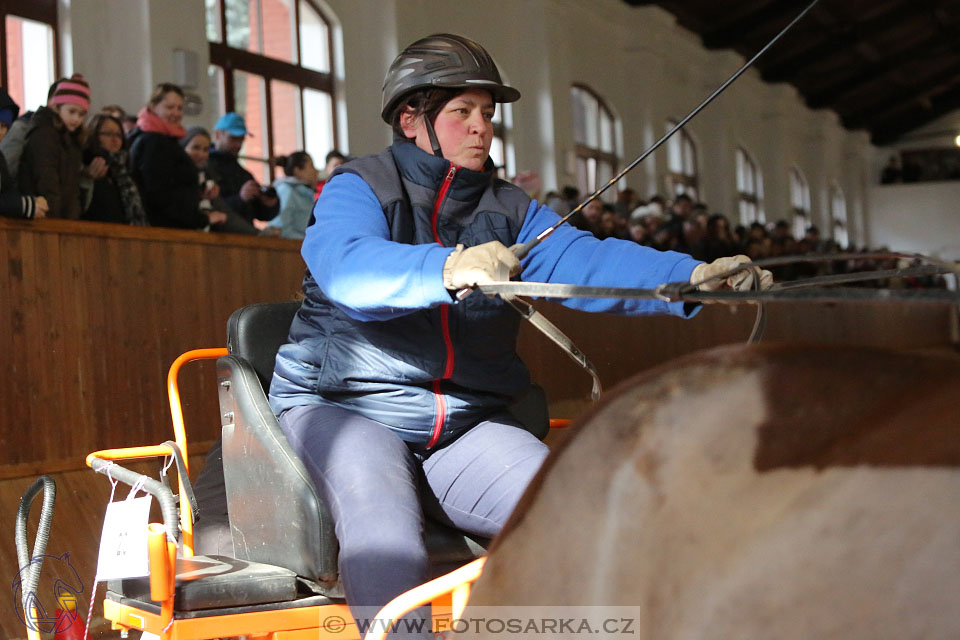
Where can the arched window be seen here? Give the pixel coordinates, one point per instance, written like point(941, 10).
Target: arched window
point(799, 202)
point(838, 216)
point(681, 163)
point(501, 150)
point(28, 49)
point(594, 133)
point(749, 189)
point(272, 61)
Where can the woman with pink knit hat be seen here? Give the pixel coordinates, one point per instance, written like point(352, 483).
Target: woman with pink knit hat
point(52, 157)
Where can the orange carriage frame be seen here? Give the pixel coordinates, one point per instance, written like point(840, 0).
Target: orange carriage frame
point(448, 593)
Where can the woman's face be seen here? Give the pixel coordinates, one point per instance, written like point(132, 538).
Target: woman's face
point(170, 108)
point(464, 129)
point(199, 150)
point(307, 174)
point(110, 136)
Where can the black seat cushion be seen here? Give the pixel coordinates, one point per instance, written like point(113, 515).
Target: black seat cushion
point(217, 582)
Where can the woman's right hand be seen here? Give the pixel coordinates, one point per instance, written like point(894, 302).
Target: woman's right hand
point(216, 217)
point(211, 190)
point(40, 207)
point(488, 262)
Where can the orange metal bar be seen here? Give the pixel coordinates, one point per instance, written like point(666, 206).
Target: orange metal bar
point(427, 592)
point(560, 423)
point(180, 434)
point(159, 567)
point(324, 622)
point(127, 453)
point(173, 392)
point(32, 633)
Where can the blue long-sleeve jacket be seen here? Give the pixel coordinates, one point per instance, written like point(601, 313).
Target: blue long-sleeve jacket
point(379, 334)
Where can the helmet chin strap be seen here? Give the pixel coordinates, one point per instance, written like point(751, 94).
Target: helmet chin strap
point(434, 143)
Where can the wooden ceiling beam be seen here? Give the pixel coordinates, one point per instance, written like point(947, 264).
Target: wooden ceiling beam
point(889, 132)
point(845, 84)
point(735, 32)
point(902, 99)
point(840, 41)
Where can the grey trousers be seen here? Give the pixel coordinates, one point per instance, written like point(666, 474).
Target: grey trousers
point(378, 489)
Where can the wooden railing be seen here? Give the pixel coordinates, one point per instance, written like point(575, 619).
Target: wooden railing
point(91, 316)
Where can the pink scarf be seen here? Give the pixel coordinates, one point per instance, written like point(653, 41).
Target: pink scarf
point(151, 123)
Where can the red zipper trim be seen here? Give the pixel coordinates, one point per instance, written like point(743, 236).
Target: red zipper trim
point(441, 413)
point(441, 194)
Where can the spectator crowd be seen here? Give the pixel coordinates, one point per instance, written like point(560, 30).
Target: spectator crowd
point(689, 227)
point(147, 169)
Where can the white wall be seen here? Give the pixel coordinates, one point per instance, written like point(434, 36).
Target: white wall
point(920, 217)
point(647, 68)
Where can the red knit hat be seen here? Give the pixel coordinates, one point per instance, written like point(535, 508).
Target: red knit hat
point(73, 90)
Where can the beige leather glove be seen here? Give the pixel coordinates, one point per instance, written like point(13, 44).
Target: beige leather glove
point(488, 262)
point(742, 281)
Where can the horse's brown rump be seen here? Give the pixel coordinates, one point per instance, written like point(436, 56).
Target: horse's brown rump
point(753, 492)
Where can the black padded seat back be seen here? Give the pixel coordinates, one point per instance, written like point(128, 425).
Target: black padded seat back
point(276, 515)
point(255, 333)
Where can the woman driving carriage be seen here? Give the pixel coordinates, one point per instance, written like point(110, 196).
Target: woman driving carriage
point(392, 391)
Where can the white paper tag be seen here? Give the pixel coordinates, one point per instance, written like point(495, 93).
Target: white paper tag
point(123, 544)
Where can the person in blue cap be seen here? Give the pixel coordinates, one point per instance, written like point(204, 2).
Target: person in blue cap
point(237, 185)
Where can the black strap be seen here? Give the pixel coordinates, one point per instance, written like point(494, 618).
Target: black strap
point(184, 479)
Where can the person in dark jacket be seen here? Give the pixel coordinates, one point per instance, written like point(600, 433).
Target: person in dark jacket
point(237, 185)
point(114, 197)
point(165, 174)
point(51, 162)
point(394, 392)
point(197, 145)
point(12, 203)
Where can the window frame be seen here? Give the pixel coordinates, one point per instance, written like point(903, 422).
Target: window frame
point(686, 180)
point(502, 129)
point(597, 155)
point(230, 59)
point(838, 223)
point(747, 200)
point(799, 201)
point(44, 11)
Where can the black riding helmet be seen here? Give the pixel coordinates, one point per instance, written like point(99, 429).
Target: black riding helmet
point(441, 61)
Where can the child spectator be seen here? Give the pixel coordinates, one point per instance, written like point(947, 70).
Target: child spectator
point(12, 204)
point(333, 160)
point(113, 197)
point(166, 175)
point(295, 190)
point(197, 145)
point(51, 162)
point(114, 110)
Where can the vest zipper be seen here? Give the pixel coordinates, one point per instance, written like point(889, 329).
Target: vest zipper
point(441, 402)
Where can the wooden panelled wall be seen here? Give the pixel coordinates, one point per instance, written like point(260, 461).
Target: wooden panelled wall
point(92, 315)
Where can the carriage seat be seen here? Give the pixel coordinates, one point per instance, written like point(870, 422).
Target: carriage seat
point(276, 516)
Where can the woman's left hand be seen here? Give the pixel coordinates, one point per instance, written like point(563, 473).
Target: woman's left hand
point(706, 275)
